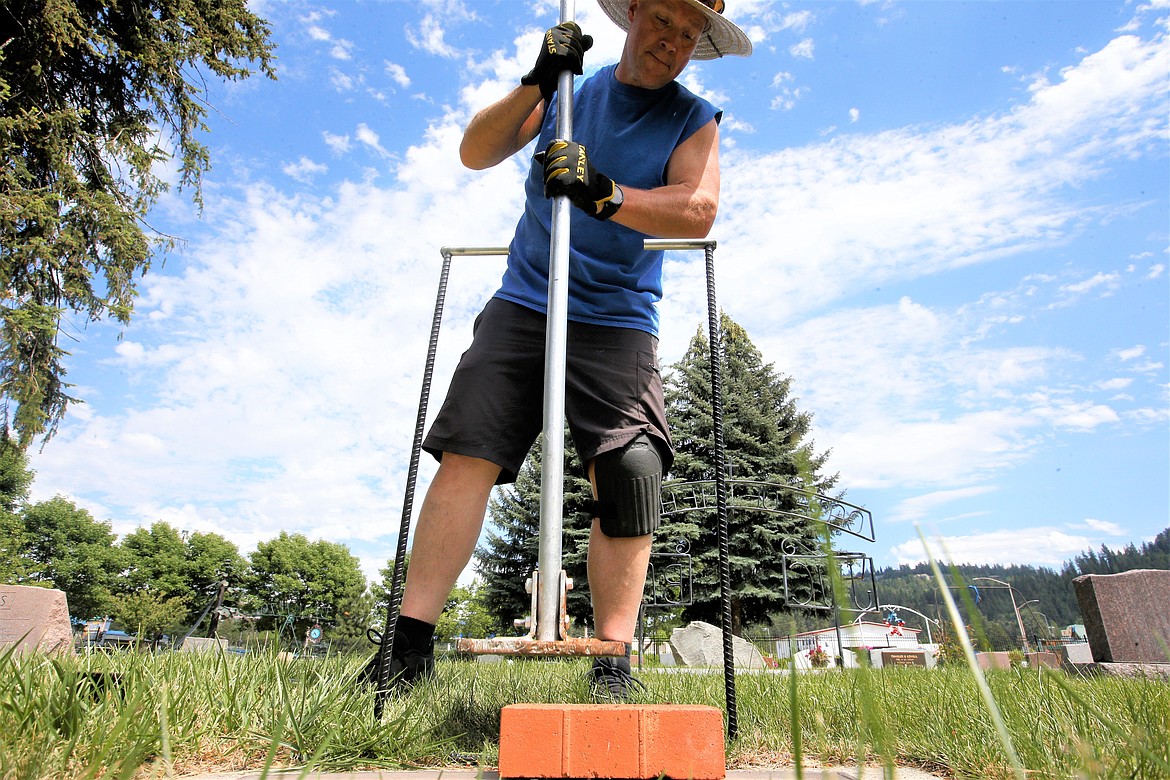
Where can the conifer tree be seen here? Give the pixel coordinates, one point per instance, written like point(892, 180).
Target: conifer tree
point(15, 479)
point(765, 438)
point(94, 98)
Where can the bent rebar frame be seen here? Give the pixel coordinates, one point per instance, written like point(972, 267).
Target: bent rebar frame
point(551, 526)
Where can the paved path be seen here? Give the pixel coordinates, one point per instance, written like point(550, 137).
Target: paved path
point(834, 773)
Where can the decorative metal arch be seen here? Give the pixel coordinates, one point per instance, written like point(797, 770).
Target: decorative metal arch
point(670, 577)
point(839, 515)
point(854, 569)
point(798, 557)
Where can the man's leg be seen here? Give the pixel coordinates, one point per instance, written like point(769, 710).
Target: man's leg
point(617, 575)
point(444, 540)
point(626, 486)
point(448, 528)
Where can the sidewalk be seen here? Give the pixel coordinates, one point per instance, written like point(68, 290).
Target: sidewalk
point(829, 773)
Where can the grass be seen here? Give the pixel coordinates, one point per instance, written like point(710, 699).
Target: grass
point(127, 715)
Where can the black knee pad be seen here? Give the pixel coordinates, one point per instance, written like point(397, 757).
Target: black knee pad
point(629, 488)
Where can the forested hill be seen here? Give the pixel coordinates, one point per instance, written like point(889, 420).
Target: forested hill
point(914, 587)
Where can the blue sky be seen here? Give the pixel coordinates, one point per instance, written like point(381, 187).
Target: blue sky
point(948, 222)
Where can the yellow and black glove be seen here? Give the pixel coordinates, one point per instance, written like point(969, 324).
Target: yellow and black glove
point(563, 48)
point(567, 172)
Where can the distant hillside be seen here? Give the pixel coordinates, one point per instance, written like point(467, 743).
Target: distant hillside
point(1055, 606)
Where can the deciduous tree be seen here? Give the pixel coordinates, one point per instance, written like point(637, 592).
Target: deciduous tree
point(310, 581)
point(74, 552)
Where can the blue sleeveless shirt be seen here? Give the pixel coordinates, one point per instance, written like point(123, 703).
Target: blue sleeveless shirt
point(629, 134)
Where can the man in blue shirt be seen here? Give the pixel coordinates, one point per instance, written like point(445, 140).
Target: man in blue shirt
point(659, 143)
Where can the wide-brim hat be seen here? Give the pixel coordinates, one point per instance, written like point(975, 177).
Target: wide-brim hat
point(721, 38)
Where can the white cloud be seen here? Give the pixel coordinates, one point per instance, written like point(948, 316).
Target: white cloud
point(1132, 353)
point(802, 50)
point(1076, 415)
point(340, 144)
point(341, 81)
point(854, 115)
point(304, 169)
point(1039, 546)
point(398, 74)
point(1108, 281)
point(429, 36)
point(371, 139)
point(787, 95)
point(1104, 526)
point(928, 504)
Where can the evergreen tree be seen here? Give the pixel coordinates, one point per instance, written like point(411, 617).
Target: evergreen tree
point(507, 557)
point(94, 96)
point(765, 440)
point(15, 480)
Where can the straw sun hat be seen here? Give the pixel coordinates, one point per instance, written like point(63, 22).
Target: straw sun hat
point(720, 39)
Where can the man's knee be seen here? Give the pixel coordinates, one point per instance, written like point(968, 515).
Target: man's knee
point(629, 488)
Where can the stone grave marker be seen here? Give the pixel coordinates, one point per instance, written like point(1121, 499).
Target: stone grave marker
point(1036, 660)
point(34, 619)
point(1127, 615)
point(701, 644)
point(195, 644)
point(994, 660)
point(1076, 654)
point(903, 658)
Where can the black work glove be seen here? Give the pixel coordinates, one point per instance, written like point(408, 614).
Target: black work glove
point(563, 48)
point(567, 172)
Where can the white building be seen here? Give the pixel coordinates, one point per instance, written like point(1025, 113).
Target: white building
point(853, 635)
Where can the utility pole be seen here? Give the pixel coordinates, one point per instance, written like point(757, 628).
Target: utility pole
point(1012, 593)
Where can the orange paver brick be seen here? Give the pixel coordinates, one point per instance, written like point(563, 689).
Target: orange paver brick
point(626, 741)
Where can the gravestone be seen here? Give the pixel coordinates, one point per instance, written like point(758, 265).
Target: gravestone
point(1127, 615)
point(994, 660)
point(1036, 660)
point(196, 644)
point(1076, 654)
point(701, 644)
point(903, 658)
point(34, 619)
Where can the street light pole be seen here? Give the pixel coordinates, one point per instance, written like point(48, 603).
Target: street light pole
point(1011, 593)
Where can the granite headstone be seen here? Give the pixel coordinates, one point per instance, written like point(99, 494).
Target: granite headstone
point(1127, 615)
point(34, 619)
point(994, 660)
point(907, 658)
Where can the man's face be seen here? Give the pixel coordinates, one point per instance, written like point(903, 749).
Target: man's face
point(662, 37)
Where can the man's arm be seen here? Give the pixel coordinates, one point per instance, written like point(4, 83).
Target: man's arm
point(686, 205)
point(502, 129)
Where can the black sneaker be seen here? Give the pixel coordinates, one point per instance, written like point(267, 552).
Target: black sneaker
point(405, 668)
point(610, 680)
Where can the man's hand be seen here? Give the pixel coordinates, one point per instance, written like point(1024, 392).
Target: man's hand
point(563, 48)
point(567, 172)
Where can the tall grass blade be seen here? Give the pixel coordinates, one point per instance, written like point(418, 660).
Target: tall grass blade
point(969, 651)
point(794, 714)
point(1118, 733)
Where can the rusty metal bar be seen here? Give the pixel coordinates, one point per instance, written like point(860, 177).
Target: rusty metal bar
point(574, 646)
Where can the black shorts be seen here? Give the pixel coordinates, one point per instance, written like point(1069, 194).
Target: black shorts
point(494, 409)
